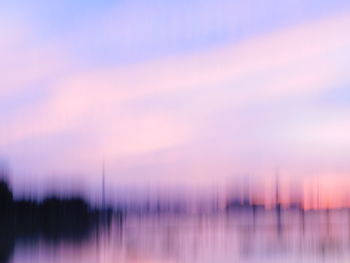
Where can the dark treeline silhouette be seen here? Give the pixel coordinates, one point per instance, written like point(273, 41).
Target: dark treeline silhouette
point(54, 219)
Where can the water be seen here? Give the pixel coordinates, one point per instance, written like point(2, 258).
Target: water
point(238, 237)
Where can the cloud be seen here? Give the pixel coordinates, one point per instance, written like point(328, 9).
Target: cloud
point(106, 110)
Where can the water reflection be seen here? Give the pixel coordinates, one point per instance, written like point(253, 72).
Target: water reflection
point(244, 236)
point(18, 238)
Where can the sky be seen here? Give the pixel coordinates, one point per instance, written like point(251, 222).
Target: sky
point(191, 92)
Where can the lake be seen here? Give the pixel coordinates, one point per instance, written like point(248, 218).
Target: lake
point(243, 236)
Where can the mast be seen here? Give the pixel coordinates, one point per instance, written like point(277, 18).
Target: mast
point(103, 187)
point(277, 194)
point(278, 205)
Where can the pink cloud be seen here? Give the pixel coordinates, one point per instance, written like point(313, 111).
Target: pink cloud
point(296, 62)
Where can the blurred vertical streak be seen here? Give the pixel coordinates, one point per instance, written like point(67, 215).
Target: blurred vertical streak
point(278, 207)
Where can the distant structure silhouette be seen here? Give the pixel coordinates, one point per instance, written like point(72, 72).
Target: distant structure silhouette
point(6, 196)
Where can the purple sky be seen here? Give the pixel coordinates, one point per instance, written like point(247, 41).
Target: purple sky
point(173, 92)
